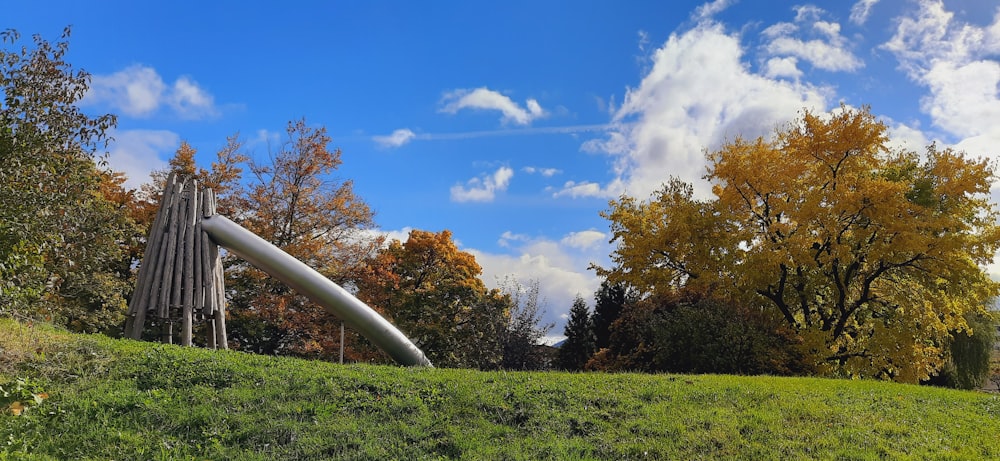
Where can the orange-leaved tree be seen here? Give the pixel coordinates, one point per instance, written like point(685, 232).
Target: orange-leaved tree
point(294, 201)
point(872, 254)
point(432, 291)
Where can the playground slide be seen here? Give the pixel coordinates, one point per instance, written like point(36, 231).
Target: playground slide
point(303, 279)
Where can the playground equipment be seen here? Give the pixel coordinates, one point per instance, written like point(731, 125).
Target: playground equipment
point(181, 277)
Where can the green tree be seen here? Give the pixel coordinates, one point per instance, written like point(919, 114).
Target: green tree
point(62, 240)
point(969, 353)
point(873, 256)
point(697, 334)
point(609, 302)
point(579, 345)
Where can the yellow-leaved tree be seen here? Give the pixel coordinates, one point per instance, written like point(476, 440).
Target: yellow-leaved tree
point(873, 255)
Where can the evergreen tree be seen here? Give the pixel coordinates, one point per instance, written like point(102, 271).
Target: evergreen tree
point(610, 300)
point(579, 345)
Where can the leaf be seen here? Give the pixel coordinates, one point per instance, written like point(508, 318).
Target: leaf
point(16, 408)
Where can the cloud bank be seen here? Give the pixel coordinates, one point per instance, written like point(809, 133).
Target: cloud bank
point(957, 63)
point(698, 93)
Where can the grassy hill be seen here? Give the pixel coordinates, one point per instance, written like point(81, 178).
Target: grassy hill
point(93, 397)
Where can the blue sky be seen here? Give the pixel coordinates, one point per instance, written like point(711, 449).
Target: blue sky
point(513, 123)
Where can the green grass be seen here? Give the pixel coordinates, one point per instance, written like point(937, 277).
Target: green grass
point(117, 399)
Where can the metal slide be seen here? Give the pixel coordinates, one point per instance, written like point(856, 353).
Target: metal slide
point(303, 279)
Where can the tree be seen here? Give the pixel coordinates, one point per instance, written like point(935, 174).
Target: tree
point(431, 290)
point(579, 345)
point(61, 239)
point(521, 340)
point(293, 202)
point(872, 255)
point(224, 177)
point(609, 301)
point(969, 353)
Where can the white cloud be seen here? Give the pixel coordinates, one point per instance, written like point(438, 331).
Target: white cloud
point(396, 139)
point(829, 51)
point(958, 63)
point(583, 189)
point(782, 67)
point(807, 13)
point(560, 267)
point(698, 94)
point(546, 172)
point(584, 239)
point(138, 152)
point(707, 10)
point(401, 235)
point(614, 143)
point(484, 188)
point(136, 91)
point(190, 101)
point(508, 237)
point(823, 55)
point(779, 30)
point(861, 10)
point(903, 136)
point(485, 98)
point(534, 109)
point(265, 137)
point(139, 91)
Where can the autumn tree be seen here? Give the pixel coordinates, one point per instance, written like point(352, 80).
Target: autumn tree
point(61, 238)
point(579, 345)
point(431, 290)
point(224, 176)
point(873, 255)
point(293, 201)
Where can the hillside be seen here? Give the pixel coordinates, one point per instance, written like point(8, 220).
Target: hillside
point(117, 399)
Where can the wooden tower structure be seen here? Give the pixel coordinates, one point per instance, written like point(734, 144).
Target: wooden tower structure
point(180, 286)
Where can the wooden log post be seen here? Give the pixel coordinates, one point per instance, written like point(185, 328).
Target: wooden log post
point(218, 281)
point(167, 274)
point(150, 259)
point(207, 272)
point(187, 291)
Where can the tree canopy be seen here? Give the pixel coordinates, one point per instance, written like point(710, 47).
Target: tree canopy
point(874, 255)
point(63, 236)
point(580, 343)
point(432, 291)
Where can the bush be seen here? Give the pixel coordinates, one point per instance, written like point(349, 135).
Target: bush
point(693, 333)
